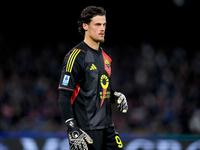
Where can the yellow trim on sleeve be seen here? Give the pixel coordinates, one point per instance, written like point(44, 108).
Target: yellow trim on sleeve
point(71, 60)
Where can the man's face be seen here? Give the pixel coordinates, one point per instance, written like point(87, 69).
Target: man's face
point(96, 28)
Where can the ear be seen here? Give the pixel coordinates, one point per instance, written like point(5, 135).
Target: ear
point(85, 26)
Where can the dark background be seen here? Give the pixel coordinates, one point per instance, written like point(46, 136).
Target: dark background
point(129, 22)
point(154, 45)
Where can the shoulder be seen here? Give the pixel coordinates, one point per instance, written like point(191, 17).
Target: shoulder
point(73, 58)
point(75, 52)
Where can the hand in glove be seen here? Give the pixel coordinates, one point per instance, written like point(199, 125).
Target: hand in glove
point(120, 99)
point(77, 137)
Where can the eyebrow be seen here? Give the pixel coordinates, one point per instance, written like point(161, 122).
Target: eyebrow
point(101, 23)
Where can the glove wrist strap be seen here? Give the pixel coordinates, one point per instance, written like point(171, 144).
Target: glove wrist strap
point(71, 124)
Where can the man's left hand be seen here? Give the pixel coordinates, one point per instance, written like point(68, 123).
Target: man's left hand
point(120, 99)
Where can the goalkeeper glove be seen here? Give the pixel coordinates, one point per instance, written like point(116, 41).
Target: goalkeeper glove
point(77, 137)
point(120, 99)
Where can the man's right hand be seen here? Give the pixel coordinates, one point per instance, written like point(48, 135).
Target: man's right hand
point(77, 137)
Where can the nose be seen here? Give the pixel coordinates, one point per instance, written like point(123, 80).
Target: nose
point(103, 27)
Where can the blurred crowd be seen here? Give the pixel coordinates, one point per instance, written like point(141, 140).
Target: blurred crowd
point(162, 86)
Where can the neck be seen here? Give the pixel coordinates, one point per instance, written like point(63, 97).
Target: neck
point(91, 43)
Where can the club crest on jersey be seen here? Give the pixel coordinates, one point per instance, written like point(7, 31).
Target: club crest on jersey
point(65, 80)
point(107, 63)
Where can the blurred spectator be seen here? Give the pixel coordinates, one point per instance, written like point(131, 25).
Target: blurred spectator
point(194, 123)
point(161, 85)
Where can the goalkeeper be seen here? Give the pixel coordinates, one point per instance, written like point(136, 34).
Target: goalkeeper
point(85, 93)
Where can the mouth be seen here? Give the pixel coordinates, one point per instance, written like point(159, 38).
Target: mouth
point(102, 34)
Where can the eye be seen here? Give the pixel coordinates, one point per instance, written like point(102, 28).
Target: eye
point(98, 24)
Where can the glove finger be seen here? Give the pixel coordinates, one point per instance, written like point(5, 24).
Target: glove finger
point(120, 107)
point(84, 146)
point(122, 97)
point(72, 147)
point(124, 104)
point(119, 100)
point(124, 111)
point(80, 146)
point(125, 107)
point(70, 137)
point(117, 94)
point(87, 137)
point(76, 147)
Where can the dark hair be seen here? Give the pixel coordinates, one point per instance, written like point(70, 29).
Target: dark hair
point(87, 14)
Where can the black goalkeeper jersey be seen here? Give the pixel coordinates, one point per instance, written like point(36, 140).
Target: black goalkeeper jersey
point(86, 72)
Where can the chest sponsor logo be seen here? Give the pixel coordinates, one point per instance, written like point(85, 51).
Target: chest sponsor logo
point(104, 83)
point(65, 80)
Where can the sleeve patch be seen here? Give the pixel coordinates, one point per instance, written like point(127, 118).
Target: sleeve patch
point(65, 80)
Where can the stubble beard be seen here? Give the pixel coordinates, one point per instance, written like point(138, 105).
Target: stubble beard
point(98, 40)
point(102, 40)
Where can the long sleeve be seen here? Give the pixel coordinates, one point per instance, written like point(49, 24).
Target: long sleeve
point(65, 104)
point(68, 80)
